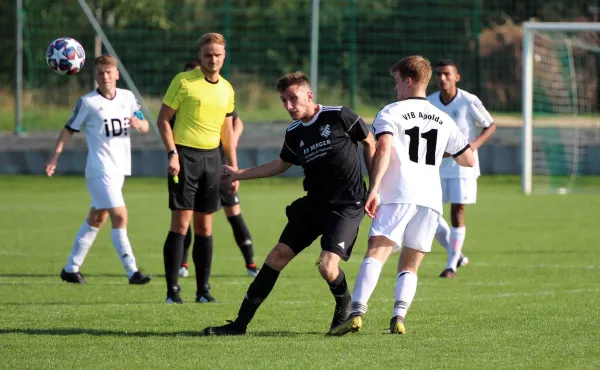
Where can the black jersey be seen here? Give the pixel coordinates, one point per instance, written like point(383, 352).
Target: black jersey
point(327, 149)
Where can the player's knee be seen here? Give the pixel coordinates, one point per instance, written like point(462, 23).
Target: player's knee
point(328, 268)
point(97, 218)
point(279, 256)
point(118, 218)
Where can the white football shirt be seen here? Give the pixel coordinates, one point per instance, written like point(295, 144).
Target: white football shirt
point(106, 126)
point(421, 135)
point(466, 110)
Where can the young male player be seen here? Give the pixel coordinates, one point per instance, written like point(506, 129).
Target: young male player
point(459, 184)
point(324, 141)
point(230, 203)
point(204, 103)
point(412, 136)
point(107, 116)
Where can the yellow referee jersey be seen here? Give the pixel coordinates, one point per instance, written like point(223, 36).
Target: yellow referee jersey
point(201, 108)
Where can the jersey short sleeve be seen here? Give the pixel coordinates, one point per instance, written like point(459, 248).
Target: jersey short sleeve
point(479, 114)
point(136, 107)
point(287, 153)
point(383, 123)
point(354, 125)
point(457, 142)
point(176, 93)
point(78, 117)
point(231, 101)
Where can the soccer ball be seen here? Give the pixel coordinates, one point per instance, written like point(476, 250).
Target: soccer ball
point(65, 56)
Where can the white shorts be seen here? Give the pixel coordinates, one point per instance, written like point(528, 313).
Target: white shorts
point(406, 224)
point(459, 190)
point(106, 191)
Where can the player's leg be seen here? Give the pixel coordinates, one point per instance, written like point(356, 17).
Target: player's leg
point(464, 192)
point(187, 242)
point(109, 196)
point(233, 211)
point(81, 245)
point(202, 255)
point(386, 232)
point(181, 203)
point(173, 250)
point(207, 201)
point(442, 234)
point(340, 230)
point(298, 234)
point(418, 238)
point(120, 240)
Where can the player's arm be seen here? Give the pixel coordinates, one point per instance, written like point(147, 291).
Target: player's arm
point(381, 160)
point(369, 147)
point(229, 141)
point(481, 115)
point(465, 158)
point(175, 95)
point(139, 122)
point(486, 133)
point(273, 168)
point(238, 128)
point(63, 138)
point(356, 128)
point(165, 115)
point(459, 146)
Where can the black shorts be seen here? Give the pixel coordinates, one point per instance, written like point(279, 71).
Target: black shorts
point(338, 226)
point(227, 199)
point(199, 183)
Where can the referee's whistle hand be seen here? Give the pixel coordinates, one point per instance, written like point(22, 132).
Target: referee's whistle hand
point(174, 165)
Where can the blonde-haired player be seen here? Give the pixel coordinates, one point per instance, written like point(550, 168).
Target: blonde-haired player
point(412, 137)
point(107, 116)
point(459, 184)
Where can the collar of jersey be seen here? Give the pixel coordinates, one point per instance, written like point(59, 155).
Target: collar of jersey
point(99, 93)
point(451, 101)
point(314, 118)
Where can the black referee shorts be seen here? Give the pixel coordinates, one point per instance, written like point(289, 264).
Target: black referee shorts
point(199, 183)
point(307, 220)
point(227, 199)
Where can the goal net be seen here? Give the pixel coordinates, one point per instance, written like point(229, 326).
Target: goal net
point(561, 126)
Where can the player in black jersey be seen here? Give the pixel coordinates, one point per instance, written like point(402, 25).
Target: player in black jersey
point(231, 206)
point(324, 141)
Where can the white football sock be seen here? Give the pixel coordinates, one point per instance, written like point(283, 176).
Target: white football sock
point(442, 234)
point(367, 278)
point(406, 287)
point(121, 243)
point(83, 241)
point(457, 238)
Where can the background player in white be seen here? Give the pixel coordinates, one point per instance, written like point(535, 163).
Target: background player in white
point(459, 184)
point(107, 116)
point(412, 136)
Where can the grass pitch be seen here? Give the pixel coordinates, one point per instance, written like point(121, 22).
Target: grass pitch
point(528, 299)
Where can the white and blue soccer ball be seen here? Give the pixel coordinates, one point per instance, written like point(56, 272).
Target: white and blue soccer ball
point(65, 56)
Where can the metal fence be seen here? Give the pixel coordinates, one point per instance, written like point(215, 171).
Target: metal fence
point(358, 40)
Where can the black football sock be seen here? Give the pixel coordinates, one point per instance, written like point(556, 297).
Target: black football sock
point(202, 255)
point(258, 291)
point(172, 253)
point(186, 247)
point(242, 238)
point(339, 288)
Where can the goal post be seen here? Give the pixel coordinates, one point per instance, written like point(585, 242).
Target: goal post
point(560, 82)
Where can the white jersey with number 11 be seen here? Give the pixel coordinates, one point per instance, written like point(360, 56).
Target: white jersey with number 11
point(421, 134)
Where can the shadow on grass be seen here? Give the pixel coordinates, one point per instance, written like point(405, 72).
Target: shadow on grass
point(142, 334)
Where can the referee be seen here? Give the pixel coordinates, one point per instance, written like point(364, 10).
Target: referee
point(204, 103)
